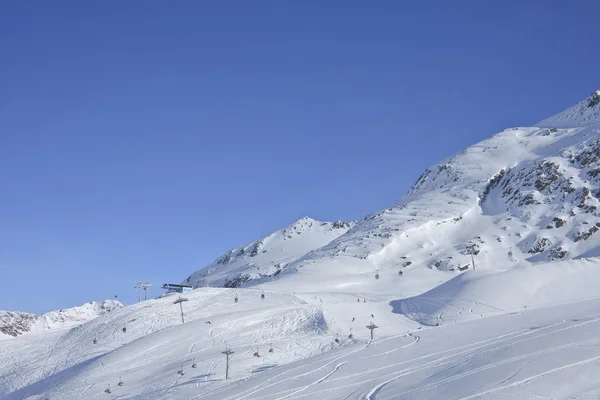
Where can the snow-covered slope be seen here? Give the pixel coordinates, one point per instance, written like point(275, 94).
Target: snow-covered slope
point(487, 346)
point(551, 353)
point(17, 323)
point(268, 256)
point(145, 344)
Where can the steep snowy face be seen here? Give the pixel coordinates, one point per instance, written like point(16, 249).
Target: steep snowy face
point(269, 256)
point(17, 323)
point(523, 195)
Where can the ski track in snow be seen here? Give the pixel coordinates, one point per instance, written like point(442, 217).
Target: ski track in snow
point(389, 377)
point(43, 369)
point(267, 385)
point(528, 379)
point(315, 382)
point(499, 363)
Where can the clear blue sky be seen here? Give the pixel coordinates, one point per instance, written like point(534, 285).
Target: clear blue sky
point(139, 140)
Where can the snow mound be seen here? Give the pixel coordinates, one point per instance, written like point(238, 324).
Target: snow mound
point(483, 293)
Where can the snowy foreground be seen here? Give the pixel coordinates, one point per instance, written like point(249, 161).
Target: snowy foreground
point(488, 344)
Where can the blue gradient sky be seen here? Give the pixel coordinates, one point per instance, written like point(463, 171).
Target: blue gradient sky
point(139, 140)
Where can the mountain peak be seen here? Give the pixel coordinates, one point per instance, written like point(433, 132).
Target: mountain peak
point(268, 256)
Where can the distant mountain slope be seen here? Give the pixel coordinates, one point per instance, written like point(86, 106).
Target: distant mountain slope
point(524, 195)
point(269, 256)
point(17, 323)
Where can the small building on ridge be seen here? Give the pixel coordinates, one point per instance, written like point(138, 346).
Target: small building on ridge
point(176, 288)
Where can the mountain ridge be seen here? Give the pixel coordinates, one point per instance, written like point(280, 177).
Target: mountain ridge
point(505, 200)
point(16, 323)
point(265, 257)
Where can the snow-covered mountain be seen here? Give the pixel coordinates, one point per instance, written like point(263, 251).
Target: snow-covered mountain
point(525, 195)
point(17, 323)
point(268, 256)
point(523, 325)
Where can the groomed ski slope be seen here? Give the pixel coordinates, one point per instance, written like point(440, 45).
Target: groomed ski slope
point(486, 346)
point(156, 345)
point(548, 353)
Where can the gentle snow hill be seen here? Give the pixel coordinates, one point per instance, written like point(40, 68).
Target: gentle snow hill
point(524, 196)
point(155, 344)
point(18, 323)
point(268, 256)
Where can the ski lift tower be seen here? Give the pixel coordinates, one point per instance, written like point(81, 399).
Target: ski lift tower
point(372, 327)
point(145, 287)
point(180, 302)
point(138, 286)
point(227, 353)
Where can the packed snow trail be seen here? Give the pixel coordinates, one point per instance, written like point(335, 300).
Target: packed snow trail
point(565, 335)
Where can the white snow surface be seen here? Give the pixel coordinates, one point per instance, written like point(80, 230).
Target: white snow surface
point(523, 324)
